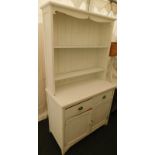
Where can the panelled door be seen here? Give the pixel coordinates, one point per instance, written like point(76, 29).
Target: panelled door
point(100, 113)
point(78, 127)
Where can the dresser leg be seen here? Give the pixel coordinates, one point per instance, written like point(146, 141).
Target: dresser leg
point(62, 152)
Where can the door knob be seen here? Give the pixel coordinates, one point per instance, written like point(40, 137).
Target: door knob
point(104, 97)
point(80, 108)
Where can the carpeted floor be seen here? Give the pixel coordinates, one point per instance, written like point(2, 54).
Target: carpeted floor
point(101, 142)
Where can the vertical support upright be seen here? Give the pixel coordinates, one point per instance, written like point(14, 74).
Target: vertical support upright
point(49, 48)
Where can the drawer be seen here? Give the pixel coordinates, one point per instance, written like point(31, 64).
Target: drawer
point(79, 108)
point(103, 96)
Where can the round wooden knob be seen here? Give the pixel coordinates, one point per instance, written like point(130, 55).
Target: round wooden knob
point(104, 97)
point(80, 108)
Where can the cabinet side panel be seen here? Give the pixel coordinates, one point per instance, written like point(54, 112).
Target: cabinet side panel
point(55, 116)
point(48, 48)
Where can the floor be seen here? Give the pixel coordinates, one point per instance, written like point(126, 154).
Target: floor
point(101, 142)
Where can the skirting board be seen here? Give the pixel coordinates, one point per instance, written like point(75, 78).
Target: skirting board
point(42, 116)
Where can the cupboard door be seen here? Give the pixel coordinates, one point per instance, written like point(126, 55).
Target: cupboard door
point(100, 114)
point(77, 127)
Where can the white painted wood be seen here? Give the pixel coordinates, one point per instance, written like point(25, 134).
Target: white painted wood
point(68, 32)
point(58, 117)
point(67, 60)
point(80, 46)
point(55, 116)
point(60, 83)
point(48, 48)
point(105, 96)
point(80, 131)
point(75, 12)
point(69, 94)
point(76, 45)
point(100, 113)
point(61, 76)
point(79, 108)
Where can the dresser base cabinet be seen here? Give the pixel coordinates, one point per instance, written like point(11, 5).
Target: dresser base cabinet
point(71, 124)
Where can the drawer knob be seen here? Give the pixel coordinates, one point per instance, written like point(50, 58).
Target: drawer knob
point(80, 108)
point(104, 97)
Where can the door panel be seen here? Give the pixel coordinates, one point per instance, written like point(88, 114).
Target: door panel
point(101, 113)
point(77, 127)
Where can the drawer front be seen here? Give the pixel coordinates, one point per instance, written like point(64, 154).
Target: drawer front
point(108, 95)
point(79, 108)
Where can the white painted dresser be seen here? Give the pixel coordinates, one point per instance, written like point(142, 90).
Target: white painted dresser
point(79, 97)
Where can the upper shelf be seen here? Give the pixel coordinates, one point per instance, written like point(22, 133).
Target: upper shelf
point(75, 12)
point(63, 76)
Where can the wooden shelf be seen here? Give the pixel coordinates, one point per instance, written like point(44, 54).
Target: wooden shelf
point(81, 46)
point(63, 76)
point(80, 90)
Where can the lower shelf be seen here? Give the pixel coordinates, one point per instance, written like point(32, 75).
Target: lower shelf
point(69, 94)
point(77, 73)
